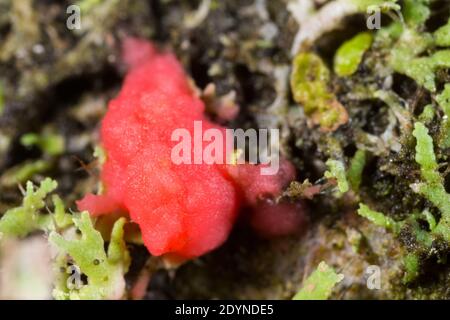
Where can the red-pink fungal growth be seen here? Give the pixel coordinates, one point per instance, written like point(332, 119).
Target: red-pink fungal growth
point(183, 210)
point(255, 186)
point(275, 220)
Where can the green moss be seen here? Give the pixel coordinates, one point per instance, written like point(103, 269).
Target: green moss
point(319, 285)
point(349, 56)
point(104, 270)
point(309, 83)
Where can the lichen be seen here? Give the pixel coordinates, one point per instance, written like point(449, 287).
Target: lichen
point(24, 171)
point(319, 285)
point(104, 270)
point(22, 220)
point(49, 142)
point(416, 12)
point(349, 55)
point(442, 35)
point(309, 83)
point(443, 100)
point(2, 99)
point(355, 170)
point(336, 170)
point(378, 218)
point(432, 188)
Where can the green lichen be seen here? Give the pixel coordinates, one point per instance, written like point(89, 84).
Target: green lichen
point(104, 270)
point(442, 35)
point(88, 5)
point(100, 154)
point(444, 102)
point(405, 59)
point(2, 101)
point(423, 70)
point(354, 172)
point(309, 83)
point(378, 218)
point(427, 114)
point(433, 186)
point(24, 171)
point(416, 12)
point(49, 142)
point(431, 220)
point(319, 285)
point(412, 267)
point(350, 54)
point(61, 218)
point(20, 221)
point(381, 5)
point(336, 170)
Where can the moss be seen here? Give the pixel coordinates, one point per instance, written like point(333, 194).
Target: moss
point(350, 54)
point(319, 285)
